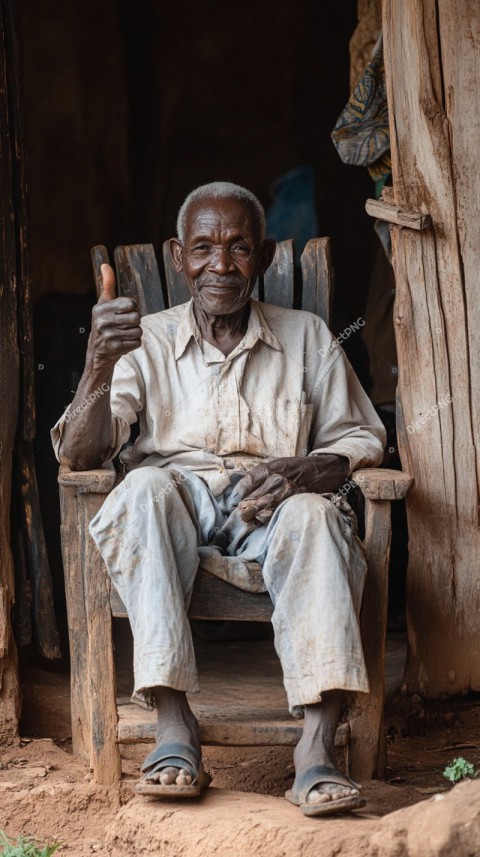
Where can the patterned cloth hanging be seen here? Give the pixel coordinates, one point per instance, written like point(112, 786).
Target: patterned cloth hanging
point(361, 134)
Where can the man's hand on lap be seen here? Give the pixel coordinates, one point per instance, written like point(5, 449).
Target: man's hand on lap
point(267, 485)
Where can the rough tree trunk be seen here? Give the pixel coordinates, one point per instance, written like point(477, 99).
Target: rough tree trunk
point(432, 52)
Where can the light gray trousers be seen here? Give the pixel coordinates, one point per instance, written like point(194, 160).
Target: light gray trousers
point(159, 523)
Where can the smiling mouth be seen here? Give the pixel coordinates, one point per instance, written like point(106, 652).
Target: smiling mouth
point(220, 289)
point(228, 283)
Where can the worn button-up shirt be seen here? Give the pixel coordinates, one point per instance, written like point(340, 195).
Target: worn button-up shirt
point(286, 389)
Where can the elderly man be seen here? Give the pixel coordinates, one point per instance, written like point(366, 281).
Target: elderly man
point(250, 420)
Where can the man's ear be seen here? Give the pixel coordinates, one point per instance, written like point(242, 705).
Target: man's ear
point(266, 254)
point(175, 247)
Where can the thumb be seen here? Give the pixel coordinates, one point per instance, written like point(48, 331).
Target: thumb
point(108, 283)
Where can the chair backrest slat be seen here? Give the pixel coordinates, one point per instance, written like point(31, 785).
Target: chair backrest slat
point(317, 278)
point(278, 280)
point(177, 289)
point(138, 276)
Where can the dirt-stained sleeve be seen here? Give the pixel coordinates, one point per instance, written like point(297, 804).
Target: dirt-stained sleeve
point(126, 400)
point(344, 420)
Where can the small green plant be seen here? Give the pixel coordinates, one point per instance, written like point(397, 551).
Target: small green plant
point(24, 847)
point(459, 770)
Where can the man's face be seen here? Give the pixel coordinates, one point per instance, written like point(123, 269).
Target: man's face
point(221, 255)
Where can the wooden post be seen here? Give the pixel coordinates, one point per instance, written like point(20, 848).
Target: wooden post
point(9, 385)
point(432, 59)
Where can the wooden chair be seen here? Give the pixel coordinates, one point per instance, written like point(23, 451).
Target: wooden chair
point(91, 600)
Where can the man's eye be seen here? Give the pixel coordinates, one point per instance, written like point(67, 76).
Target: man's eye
point(240, 250)
point(200, 250)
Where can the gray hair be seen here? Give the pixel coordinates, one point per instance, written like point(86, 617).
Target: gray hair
point(222, 190)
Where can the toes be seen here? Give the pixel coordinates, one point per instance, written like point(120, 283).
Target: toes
point(337, 793)
point(344, 793)
point(330, 791)
point(316, 796)
point(183, 778)
point(168, 776)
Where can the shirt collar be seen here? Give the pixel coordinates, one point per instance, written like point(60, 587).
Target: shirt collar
point(257, 329)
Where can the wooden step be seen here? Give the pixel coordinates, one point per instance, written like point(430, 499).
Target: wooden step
point(240, 727)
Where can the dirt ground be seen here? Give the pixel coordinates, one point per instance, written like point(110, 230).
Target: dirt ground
point(46, 792)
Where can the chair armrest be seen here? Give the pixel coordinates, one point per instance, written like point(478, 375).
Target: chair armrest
point(378, 483)
point(100, 481)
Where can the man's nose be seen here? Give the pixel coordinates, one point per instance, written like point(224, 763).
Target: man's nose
point(221, 261)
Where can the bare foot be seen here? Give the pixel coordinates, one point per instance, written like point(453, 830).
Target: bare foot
point(176, 723)
point(316, 746)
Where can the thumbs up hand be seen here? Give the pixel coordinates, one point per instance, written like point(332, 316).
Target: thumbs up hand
point(115, 324)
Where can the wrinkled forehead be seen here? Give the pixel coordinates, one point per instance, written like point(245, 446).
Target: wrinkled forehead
point(216, 218)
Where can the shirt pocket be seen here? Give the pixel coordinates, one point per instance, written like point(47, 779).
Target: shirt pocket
point(280, 429)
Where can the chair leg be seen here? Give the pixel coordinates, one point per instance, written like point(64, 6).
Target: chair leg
point(368, 741)
point(101, 693)
point(72, 553)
